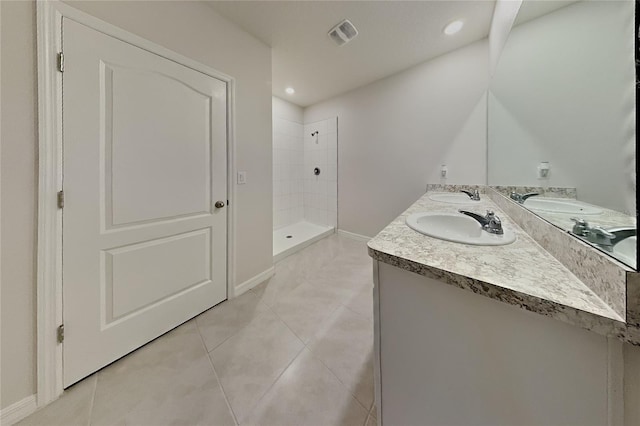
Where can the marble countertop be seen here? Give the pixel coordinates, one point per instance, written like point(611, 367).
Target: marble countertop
point(522, 273)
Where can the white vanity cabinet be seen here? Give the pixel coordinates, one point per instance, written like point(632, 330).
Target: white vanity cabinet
point(447, 356)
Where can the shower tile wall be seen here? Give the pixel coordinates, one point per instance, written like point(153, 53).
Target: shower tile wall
point(321, 191)
point(288, 161)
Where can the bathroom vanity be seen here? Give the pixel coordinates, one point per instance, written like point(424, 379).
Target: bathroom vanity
point(544, 330)
point(484, 335)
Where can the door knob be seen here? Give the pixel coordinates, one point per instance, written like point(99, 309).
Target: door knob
point(219, 204)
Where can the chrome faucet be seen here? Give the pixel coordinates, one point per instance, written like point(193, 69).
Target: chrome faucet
point(475, 195)
point(490, 223)
point(622, 233)
point(580, 227)
point(521, 198)
point(604, 238)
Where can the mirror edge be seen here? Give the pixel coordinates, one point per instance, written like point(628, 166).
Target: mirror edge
point(637, 83)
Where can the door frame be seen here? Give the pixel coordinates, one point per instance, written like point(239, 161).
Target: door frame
point(50, 172)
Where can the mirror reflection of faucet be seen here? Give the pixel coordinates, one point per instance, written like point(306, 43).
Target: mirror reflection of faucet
point(521, 198)
point(603, 238)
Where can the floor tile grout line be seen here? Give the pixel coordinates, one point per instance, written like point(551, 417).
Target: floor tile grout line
point(333, 314)
point(340, 381)
point(287, 325)
point(93, 398)
point(328, 317)
point(301, 279)
point(215, 373)
point(224, 393)
point(276, 379)
point(232, 334)
point(373, 405)
point(358, 313)
point(368, 410)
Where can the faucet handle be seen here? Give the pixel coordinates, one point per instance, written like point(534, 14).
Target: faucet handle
point(494, 224)
point(581, 226)
point(516, 196)
point(492, 218)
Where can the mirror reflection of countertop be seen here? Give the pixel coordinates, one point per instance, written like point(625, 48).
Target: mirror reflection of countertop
point(607, 218)
point(521, 274)
point(623, 251)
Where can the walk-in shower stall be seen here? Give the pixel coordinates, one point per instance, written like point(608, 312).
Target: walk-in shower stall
point(305, 183)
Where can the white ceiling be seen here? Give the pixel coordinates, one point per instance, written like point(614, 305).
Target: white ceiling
point(393, 36)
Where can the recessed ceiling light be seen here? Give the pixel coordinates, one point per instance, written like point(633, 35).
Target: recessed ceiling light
point(453, 27)
point(290, 90)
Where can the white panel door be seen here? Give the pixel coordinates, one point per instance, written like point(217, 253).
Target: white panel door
point(144, 246)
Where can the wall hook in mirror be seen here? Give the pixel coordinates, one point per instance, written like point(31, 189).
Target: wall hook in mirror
point(316, 171)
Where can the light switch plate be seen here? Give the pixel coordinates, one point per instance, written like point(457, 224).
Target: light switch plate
point(242, 178)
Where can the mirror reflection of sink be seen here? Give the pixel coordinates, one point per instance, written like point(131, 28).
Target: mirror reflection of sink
point(451, 197)
point(457, 228)
point(559, 205)
point(625, 251)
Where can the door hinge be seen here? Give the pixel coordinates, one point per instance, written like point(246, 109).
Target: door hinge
point(61, 62)
point(60, 333)
point(60, 199)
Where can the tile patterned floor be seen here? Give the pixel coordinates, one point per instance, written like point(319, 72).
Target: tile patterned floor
point(295, 350)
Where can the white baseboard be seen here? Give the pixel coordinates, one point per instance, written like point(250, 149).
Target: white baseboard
point(252, 282)
point(18, 411)
point(353, 235)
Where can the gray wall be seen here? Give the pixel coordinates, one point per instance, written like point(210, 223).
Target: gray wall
point(395, 134)
point(18, 180)
point(190, 28)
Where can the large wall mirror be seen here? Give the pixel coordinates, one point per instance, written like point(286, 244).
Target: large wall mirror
point(561, 125)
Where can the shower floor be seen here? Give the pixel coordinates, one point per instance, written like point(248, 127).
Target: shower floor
point(300, 235)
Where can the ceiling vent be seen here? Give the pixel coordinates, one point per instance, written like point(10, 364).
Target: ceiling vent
point(343, 33)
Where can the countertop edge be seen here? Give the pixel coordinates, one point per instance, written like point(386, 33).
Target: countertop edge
point(605, 326)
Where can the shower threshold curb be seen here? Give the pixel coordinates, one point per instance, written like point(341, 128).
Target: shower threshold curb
point(291, 250)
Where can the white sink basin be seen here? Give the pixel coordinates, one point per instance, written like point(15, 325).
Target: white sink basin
point(457, 228)
point(625, 251)
point(559, 205)
point(451, 197)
